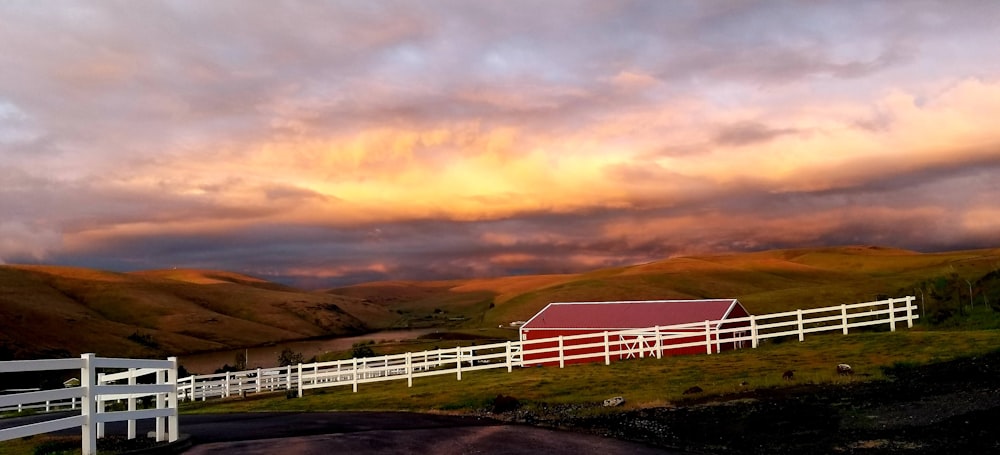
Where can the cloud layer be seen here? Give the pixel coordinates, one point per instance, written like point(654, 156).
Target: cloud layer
point(335, 142)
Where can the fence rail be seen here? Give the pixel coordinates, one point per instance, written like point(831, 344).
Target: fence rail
point(95, 392)
point(709, 336)
point(140, 379)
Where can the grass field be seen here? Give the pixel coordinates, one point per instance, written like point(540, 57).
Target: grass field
point(645, 382)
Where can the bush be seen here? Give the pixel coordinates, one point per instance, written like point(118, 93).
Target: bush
point(289, 357)
point(362, 349)
point(144, 339)
point(503, 403)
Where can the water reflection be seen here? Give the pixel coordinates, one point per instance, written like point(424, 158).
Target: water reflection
point(267, 356)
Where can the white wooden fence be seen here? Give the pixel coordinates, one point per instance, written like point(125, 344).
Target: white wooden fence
point(636, 343)
point(95, 392)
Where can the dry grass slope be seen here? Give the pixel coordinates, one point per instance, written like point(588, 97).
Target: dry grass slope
point(54, 311)
point(767, 281)
point(63, 311)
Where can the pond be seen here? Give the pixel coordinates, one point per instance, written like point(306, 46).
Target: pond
point(267, 356)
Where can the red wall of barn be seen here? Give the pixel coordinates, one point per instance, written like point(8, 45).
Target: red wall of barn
point(596, 353)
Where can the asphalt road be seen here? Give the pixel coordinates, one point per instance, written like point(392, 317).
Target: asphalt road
point(377, 432)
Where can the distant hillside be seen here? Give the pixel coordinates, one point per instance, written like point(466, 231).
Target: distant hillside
point(58, 311)
point(768, 281)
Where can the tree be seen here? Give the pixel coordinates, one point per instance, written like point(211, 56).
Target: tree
point(362, 349)
point(946, 292)
point(289, 357)
point(241, 361)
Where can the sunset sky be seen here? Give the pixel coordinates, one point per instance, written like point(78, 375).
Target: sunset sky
point(326, 143)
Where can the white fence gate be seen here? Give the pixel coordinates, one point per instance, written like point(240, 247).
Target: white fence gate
point(95, 392)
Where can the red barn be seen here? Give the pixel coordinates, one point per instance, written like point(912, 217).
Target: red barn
point(681, 322)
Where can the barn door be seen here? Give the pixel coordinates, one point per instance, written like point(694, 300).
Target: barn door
point(637, 346)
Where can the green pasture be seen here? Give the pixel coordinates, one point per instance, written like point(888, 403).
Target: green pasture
point(643, 382)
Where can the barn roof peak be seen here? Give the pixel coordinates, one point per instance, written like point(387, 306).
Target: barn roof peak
point(628, 314)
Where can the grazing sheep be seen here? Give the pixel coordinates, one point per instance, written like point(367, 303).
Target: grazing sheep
point(787, 375)
point(844, 369)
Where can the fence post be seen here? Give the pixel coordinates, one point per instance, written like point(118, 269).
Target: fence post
point(354, 373)
point(88, 431)
point(225, 386)
point(174, 430)
point(300, 379)
point(659, 343)
point(409, 368)
point(288, 379)
point(562, 362)
point(510, 360)
point(458, 362)
point(258, 379)
point(843, 316)
point(909, 311)
point(708, 337)
point(802, 334)
point(607, 349)
point(641, 344)
point(892, 315)
point(161, 422)
point(100, 407)
point(131, 405)
point(753, 332)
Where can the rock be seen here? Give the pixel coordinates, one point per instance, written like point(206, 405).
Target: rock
point(694, 389)
point(788, 375)
point(503, 403)
point(614, 401)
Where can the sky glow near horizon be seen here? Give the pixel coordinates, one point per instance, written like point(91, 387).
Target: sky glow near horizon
point(327, 143)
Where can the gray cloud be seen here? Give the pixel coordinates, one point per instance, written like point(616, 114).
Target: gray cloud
point(747, 133)
point(107, 104)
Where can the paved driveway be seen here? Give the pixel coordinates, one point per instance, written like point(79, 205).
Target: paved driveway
point(327, 433)
point(385, 432)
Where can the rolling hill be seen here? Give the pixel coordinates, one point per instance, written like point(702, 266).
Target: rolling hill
point(48, 311)
point(58, 311)
point(767, 281)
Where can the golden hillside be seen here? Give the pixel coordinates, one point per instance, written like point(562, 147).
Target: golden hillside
point(58, 311)
point(55, 311)
point(767, 281)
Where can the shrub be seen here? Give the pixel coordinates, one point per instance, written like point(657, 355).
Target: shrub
point(503, 403)
point(144, 339)
point(289, 357)
point(362, 349)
